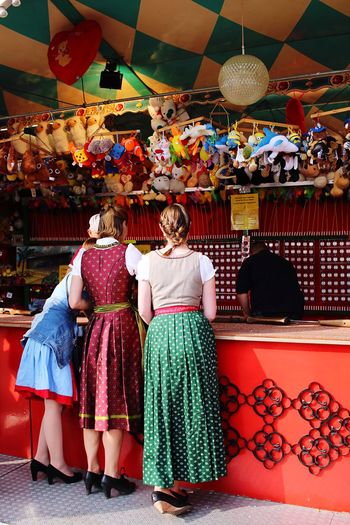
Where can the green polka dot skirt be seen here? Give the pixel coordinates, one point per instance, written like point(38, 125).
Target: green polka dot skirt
point(183, 438)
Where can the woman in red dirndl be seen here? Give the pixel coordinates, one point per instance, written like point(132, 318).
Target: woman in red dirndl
point(111, 388)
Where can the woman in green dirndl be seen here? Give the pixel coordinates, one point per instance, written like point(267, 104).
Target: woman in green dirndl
point(183, 439)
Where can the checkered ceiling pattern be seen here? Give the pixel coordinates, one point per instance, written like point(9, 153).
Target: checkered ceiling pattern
point(172, 46)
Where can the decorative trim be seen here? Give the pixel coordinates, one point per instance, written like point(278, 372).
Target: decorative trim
point(327, 441)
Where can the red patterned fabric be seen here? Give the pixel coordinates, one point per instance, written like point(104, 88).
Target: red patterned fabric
point(111, 382)
point(175, 309)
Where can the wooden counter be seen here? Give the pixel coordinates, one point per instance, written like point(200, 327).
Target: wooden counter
point(294, 333)
point(308, 333)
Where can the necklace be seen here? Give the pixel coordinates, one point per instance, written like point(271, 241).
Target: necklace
point(104, 246)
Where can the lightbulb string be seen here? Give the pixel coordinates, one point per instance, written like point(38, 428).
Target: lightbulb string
point(242, 27)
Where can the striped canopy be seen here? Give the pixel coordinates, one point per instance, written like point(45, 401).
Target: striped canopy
point(168, 46)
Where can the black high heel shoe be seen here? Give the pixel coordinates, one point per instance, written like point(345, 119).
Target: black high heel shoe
point(181, 496)
point(167, 504)
point(35, 467)
point(92, 479)
point(122, 485)
point(53, 472)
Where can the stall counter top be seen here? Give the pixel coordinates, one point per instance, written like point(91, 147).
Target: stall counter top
point(309, 333)
point(25, 321)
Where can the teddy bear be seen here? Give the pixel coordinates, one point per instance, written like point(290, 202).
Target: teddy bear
point(76, 127)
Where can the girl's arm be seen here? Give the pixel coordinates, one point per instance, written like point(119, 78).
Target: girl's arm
point(145, 301)
point(75, 294)
point(209, 299)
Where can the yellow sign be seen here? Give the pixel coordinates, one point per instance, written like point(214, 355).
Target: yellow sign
point(245, 211)
point(143, 248)
point(62, 270)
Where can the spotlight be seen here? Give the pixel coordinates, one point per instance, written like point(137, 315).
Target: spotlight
point(110, 78)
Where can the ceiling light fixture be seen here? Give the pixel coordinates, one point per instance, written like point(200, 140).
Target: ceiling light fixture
point(243, 79)
point(110, 78)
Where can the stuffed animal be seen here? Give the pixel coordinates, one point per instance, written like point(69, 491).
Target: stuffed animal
point(165, 112)
point(44, 137)
point(93, 125)
point(161, 183)
point(273, 143)
point(76, 127)
point(82, 157)
point(22, 143)
point(132, 146)
point(155, 112)
point(60, 137)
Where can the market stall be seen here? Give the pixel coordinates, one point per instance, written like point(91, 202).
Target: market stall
point(166, 135)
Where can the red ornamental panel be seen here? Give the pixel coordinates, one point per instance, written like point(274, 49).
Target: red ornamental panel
point(327, 441)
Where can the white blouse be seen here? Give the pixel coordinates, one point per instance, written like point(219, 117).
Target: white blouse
point(205, 266)
point(132, 257)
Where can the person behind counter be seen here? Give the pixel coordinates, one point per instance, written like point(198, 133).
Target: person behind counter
point(267, 285)
point(111, 384)
point(45, 372)
point(182, 437)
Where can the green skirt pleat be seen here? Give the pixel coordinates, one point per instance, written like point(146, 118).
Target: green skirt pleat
point(183, 439)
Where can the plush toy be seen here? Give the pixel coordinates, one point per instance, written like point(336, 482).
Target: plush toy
point(274, 143)
point(82, 157)
point(116, 154)
point(28, 163)
point(179, 176)
point(57, 172)
point(22, 143)
point(155, 112)
point(161, 183)
point(179, 148)
point(4, 148)
point(132, 146)
point(341, 182)
point(165, 112)
point(93, 125)
point(100, 147)
point(60, 137)
point(11, 162)
point(76, 127)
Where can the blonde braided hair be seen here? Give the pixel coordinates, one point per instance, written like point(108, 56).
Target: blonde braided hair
point(175, 223)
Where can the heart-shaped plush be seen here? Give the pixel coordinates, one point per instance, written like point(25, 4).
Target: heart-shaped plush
point(125, 178)
point(70, 53)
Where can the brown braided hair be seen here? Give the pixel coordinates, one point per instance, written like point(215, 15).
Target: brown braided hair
point(175, 223)
point(111, 222)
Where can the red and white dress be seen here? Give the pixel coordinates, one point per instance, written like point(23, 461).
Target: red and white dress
point(111, 388)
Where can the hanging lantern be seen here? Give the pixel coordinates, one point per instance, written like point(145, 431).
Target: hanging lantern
point(243, 80)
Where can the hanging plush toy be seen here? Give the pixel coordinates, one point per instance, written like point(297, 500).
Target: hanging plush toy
point(60, 137)
point(44, 139)
point(132, 146)
point(76, 128)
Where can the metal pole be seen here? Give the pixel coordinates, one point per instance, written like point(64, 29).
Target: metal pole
point(211, 89)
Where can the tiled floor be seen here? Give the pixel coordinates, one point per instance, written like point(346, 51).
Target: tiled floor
point(23, 502)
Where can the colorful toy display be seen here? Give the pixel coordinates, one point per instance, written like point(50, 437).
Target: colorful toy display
point(194, 156)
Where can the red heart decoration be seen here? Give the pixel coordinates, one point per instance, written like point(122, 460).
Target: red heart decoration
point(70, 53)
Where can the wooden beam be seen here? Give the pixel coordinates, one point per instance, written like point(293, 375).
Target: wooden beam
point(330, 112)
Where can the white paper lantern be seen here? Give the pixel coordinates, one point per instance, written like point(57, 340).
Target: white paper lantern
point(243, 80)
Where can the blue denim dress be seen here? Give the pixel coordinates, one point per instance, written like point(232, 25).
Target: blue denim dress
point(45, 369)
